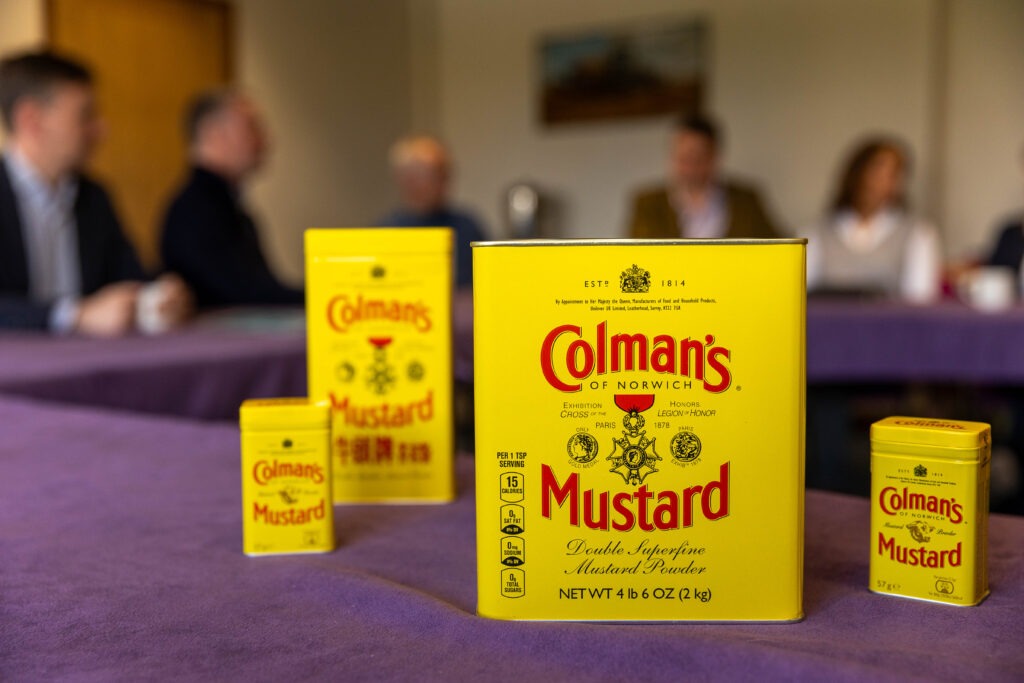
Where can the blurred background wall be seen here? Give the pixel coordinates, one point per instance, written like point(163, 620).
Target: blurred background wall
point(795, 82)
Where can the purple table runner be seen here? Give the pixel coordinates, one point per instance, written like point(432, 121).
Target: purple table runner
point(120, 559)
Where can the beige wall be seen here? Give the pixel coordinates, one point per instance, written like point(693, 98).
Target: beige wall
point(984, 128)
point(333, 79)
point(21, 24)
point(794, 81)
point(21, 27)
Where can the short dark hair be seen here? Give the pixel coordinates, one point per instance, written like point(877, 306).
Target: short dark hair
point(702, 125)
point(203, 106)
point(857, 165)
point(34, 74)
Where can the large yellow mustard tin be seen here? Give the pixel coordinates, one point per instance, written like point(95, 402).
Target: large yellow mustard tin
point(639, 433)
point(378, 319)
point(286, 477)
point(929, 509)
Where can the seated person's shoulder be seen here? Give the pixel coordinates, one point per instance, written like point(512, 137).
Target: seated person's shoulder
point(470, 223)
point(92, 193)
point(1011, 227)
point(649, 195)
point(1008, 245)
point(95, 206)
point(651, 214)
point(740, 190)
point(196, 198)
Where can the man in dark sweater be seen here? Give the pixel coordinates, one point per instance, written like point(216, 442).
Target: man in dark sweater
point(208, 236)
point(65, 265)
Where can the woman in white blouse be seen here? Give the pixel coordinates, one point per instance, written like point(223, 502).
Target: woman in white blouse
point(869, 242)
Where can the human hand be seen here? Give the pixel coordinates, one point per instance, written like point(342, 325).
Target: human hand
point(110, 312)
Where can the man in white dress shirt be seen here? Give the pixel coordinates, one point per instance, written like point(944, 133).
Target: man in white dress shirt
point(65, 265)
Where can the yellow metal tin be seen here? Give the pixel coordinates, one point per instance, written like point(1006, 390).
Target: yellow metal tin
point(640, 417)
point(286, 477)
point(378, 318)
point(929, 509)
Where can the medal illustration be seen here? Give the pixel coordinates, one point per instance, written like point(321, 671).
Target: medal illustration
point(685, 446)
point(633, 456)
point(380, 374)
point(582, 447)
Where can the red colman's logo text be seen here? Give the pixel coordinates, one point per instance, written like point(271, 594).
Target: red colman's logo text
point(649, 510)
point(567, 358)
point(263, 471)
point(343, 312)
point(893, 501)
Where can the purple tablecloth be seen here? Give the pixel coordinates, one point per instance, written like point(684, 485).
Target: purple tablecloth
point(203, 371)
point(890, 342)
point(120, 559)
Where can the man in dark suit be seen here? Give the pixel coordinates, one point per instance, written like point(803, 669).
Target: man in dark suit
point(65, 264)
point(697, 202)
point(208, 236)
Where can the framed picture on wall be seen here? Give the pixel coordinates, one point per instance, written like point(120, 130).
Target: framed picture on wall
point(622, 72)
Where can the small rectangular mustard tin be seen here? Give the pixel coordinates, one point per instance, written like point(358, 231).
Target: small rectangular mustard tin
point(639, 429)
point(929, 509)
point(286, 477)
point(378, 319)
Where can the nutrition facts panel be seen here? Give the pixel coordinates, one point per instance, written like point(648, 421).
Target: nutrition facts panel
point(512, 491)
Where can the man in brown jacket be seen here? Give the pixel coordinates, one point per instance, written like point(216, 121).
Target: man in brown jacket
point(697, 202)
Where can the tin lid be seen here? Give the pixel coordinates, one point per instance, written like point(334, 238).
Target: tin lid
point(284, 413)
point(925, 431)
point(624, 242)
point(355, 244)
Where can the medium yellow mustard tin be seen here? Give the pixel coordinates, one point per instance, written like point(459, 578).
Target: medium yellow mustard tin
point(378, 318)
point(929, 509)
point(639, 433)
point(286, 477)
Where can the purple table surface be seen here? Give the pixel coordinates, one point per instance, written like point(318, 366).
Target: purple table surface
point(120, 559)
point(202, 371)
point(880, 342)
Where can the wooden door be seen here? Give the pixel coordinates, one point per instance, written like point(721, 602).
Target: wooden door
point(149, 57)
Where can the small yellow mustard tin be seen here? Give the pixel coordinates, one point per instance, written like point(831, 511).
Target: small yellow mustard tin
point(929, 509)
point(286, 477)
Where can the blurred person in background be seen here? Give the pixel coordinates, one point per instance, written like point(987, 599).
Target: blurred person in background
point(869, 242)
point(65, 264)
point(209, 237)
point(422, 170)
point(1008, 251)
point(698, 202)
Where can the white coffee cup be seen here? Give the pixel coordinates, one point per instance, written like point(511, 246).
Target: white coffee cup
point(991, 289)
point(149, 319)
